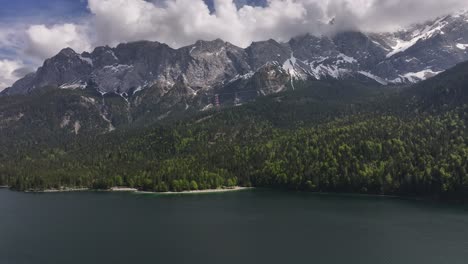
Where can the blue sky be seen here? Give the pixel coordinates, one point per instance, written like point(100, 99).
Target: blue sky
point(49, 11)
point(41, 11)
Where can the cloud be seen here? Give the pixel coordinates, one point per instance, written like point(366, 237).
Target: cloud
point(10, 40)
point(390, 15)
point(182, 22)
point(10, 71)
point(44, 42)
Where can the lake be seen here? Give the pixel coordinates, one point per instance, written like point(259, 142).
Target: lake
point(254, 226)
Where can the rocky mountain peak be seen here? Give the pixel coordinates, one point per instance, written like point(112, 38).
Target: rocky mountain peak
point(103, 56)
point(262, 52)
point(67, 52)
point(216, 43)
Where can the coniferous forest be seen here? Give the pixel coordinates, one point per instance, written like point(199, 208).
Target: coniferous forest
point(328, 136)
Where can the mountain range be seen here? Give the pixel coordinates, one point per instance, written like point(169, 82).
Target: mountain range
point(351, 112)
point(405, 56)
point(141, 83)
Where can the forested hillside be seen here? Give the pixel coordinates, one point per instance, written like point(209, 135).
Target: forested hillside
point(323, 136)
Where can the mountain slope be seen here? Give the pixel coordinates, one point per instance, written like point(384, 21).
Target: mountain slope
point(322, 136)
point(310, 114)
point(424, 50)
point(446, 90)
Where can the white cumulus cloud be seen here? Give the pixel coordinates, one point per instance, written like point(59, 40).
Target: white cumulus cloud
point(9, 72)
point(182, 22)
point(44, 42)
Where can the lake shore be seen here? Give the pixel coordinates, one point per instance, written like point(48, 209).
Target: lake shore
point(234, 189)
point(59, 190)
point(134, 190)
point(122, 189)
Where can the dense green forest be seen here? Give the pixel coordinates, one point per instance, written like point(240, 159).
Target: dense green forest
point(328, 136)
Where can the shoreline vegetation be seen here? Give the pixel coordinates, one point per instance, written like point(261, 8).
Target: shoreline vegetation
point(135, 190)
point(63, 189)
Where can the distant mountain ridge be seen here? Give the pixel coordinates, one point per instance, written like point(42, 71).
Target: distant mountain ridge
point(406, 56)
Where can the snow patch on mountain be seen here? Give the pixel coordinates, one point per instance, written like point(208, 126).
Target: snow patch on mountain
point(418, 34)
point(74, 85)
point(419, 76)
point(290, 66)
point(320, 71)
point(88, 100)
point(76, 127)
point(112, 54)
point(111, 127)
point(87, 60)
point(117, 68)
point(207, 107)
point(138, 89)
point(401, 46)
point(192, 49)
point(345, 59)
point(374, 77)
point(241, 77)
point(462, 46)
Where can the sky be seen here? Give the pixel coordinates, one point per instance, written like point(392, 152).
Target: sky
point(34, 30)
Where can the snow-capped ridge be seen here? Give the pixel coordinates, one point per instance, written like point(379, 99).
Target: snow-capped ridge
point(385, 58)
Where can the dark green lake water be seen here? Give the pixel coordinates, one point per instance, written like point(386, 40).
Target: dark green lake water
point(244, 227)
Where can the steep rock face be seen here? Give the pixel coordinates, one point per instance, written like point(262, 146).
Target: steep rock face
point(270, 78)
point(133, 66)
point(212, 62)
point(67, 67)
point(312, 47)
point(103, 56)
point(360, 47)
point(323, 57)
point(262, 52)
